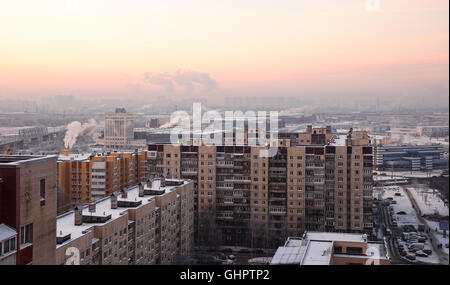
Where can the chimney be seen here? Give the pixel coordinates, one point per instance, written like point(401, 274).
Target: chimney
point(92, 207)
point(78, 215)
point(309, 129)
point(328, 128)
point(141, 189)
point(114, 200)
point(149, 184)
point(162, 181)
point(124, 193)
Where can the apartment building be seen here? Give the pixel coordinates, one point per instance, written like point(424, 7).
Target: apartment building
point(27, 209)
point(317, 181)
point(324, 248)
point(88, 177)
point(151, 223)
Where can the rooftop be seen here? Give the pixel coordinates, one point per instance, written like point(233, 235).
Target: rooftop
point(18, 160)
point(329, 236)
point(6, 232)
point(65, 223)
point(316, 248)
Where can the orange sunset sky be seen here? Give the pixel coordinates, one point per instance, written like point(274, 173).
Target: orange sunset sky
point(112, 48)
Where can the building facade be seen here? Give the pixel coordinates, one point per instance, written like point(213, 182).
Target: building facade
point(83, 178)
point(151, 223)
point(27, 209)
point(317, 181)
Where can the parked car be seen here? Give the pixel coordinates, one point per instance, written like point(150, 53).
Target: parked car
point(394, 223)
point(421, 239)
point(421, 253)
point(258, 251)
point(411, 256)
point(388, 232)
point(402, 252)
point(417, 245)
point(226, 250)
point(401, 213)
point(427, 251)
point(393, 202)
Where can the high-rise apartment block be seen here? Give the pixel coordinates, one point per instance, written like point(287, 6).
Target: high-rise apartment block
point(151, 223)
point(83, 178)
point(317, 181)
point(27, 209)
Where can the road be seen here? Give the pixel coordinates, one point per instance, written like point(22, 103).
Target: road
point(385, 223)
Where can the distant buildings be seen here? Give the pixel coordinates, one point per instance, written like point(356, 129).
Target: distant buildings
point(410, 158)
point(321, 248)
point(27, 209)
point(119, 131)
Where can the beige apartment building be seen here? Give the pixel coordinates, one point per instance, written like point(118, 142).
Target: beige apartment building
point(151, 223)
point(318, 181)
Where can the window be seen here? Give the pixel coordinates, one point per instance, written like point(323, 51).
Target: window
point(42, 189)
point(26, 234)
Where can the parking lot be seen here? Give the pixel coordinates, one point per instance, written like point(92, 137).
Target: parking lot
point(407, 235)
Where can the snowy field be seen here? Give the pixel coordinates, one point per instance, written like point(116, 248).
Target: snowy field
point(429, 200)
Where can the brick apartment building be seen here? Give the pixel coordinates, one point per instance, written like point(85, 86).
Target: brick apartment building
point(318, 181)
point(27, 209)
point(151, 223)
point(83, 178)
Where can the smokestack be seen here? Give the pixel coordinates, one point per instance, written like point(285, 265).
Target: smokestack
point(124, 193)
point(162, 181)
point(65, 152)
point(92, 207)
point(78, 215)
point(141, 189)
point(149, 184)
point(114, 200)
point(309, 129)
point(328, 129)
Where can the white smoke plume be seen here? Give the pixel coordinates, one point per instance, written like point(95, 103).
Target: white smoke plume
point(191, 81)
point(75, 129)
point(173, 122)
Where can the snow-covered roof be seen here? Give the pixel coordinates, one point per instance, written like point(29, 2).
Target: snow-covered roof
point(75, 157)
point(6, 232)
point(330, 236)
point(65, 224)
point(318, 253)
point(287, 255)
point(339, 140)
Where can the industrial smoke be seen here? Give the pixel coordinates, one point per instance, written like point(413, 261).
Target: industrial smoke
point(75, 129)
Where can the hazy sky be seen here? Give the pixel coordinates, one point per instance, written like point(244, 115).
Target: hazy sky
point(224, 47)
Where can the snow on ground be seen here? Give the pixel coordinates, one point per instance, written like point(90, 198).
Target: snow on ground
point(416, 174)
point(439, 234)
point(403, 204)
point(429, 200)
